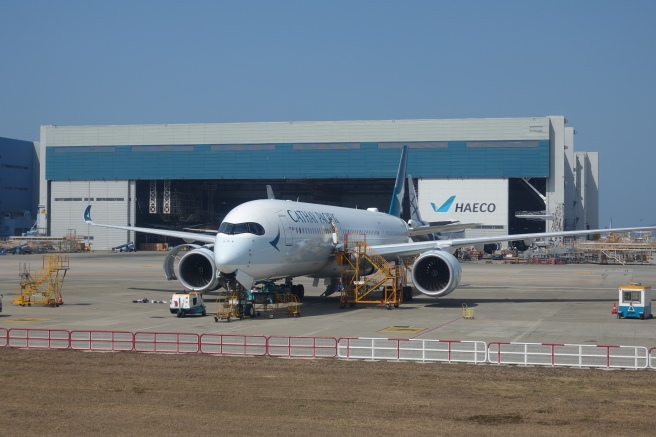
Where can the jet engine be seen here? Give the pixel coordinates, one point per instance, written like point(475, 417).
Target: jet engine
point(196, 269)
point(521, 245)
point(436, 273)
point(489, 248)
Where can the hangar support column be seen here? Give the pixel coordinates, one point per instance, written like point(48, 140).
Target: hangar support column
point(556, 181)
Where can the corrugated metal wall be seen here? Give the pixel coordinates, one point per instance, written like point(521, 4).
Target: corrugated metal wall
point(469, 148)
point(527, 128)
point(111, 201)
point(288, 161)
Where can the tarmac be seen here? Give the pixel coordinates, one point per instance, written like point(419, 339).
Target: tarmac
point(526, 303)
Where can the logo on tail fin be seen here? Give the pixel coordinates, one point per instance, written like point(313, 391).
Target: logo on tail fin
point(445, 206)
point(396, 206)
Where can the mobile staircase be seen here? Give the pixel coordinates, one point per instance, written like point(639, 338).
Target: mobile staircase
point(369, 278)
point(51, 277)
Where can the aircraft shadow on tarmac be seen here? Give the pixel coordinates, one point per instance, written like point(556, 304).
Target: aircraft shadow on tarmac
point(471, 303)
point(159, 290)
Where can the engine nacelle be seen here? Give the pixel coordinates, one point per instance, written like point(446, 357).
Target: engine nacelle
point(197, 270)
point(488, 248)
point(436, 273)
point(521, 245)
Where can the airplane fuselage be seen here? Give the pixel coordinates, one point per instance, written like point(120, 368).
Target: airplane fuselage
point(277, 238)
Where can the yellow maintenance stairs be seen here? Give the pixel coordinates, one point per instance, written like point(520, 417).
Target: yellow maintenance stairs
point(50, 274)
point(385, 286)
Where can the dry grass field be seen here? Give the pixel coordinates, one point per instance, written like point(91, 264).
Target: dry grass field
point(64, 393)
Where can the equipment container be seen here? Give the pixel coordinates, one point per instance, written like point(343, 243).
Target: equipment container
point(634, 302)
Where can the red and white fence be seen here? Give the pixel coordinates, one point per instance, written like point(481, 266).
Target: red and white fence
point(425, 351)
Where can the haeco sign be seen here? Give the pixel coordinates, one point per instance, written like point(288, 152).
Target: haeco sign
point(465, 207)
point(470, 199)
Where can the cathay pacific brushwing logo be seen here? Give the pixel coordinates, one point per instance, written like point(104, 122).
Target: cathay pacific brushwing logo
point(274, 242)
point(445, 206)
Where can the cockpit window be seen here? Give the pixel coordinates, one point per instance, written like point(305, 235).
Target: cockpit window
point(241, 228)
point(255, 228)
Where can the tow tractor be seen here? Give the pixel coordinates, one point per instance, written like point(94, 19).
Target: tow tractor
point(187, 303)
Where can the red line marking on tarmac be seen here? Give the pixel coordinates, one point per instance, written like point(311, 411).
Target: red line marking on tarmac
point(437, 327)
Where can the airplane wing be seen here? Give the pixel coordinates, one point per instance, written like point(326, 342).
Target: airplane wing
point(415, 248)
point(188, 236)
point(200, 231)
point(425, 230)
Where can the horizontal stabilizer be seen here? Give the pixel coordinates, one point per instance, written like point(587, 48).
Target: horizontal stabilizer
point(425, 230)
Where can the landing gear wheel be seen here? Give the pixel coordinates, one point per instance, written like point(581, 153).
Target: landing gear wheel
point(216, 319)
point(396, 304)
point(301, 291)
point(388, 306)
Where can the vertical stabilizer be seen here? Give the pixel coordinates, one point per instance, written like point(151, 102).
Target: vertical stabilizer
point(414, 203)
point(396, 207)
point(270, 194)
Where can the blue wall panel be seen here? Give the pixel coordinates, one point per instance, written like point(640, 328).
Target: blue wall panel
point(16, 175)
point(287, 161)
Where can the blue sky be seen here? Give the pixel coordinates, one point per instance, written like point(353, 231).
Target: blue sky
point(132, 62)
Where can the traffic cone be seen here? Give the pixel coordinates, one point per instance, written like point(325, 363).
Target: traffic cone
point(614, 310)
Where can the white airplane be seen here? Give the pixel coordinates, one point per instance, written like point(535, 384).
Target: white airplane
point(270, 240)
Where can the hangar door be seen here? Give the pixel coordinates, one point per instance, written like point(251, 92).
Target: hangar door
point(112, 203)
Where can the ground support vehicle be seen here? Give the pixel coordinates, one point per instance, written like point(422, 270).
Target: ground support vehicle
point(634, 302)
point(187, 303)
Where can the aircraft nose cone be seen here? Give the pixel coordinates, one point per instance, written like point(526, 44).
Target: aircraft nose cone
point(230, 254)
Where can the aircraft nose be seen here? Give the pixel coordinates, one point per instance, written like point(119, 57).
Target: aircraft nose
point(231, 253)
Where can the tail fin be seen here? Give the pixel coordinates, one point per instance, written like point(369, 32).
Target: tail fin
point(396, 206)
point(415, 216)
point(270, 194)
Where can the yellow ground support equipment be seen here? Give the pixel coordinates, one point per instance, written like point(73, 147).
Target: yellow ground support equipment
point(467, 313)
point(50, 274)
point(358, 287)
point(227, 306)
point(289, 304)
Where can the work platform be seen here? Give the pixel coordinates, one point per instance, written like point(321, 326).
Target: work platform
point(368, 278)
point(50, 274)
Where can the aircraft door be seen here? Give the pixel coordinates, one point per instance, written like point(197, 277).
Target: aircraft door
point(286, 229)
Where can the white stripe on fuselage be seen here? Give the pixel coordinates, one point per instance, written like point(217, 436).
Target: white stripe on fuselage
point(298, 237)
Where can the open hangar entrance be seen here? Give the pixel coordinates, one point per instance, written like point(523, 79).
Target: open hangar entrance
point(203, 203)
point(522, 198)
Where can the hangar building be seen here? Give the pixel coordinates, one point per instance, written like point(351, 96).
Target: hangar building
point(19, 179)
point(509, 175)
